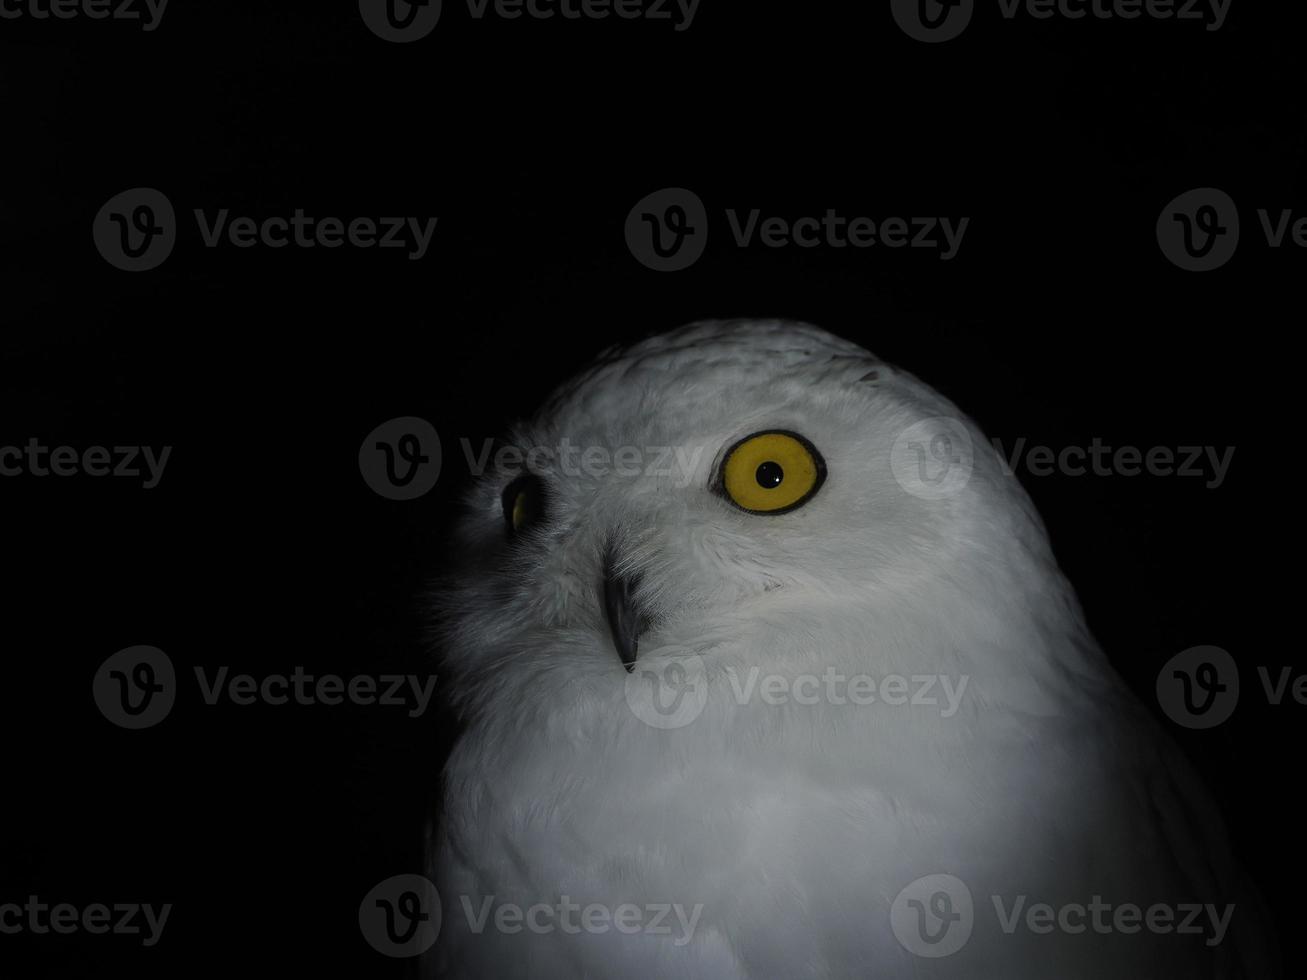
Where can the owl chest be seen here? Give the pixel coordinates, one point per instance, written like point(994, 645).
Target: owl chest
point(662, 809)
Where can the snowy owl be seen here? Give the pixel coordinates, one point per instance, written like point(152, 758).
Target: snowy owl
point(764, 668)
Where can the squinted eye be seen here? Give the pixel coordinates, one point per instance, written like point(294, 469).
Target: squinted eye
point(523, 502)
point(772, 472)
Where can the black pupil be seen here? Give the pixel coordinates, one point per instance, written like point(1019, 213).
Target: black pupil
point(769, 475)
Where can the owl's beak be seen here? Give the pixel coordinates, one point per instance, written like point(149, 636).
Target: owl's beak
point(622, 610)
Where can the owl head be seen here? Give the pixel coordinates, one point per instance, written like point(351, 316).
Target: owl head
point(753, 491)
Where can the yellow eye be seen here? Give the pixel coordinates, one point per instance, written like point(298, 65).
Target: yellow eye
point(519, 510)
point(772, 472)
point(523, 502)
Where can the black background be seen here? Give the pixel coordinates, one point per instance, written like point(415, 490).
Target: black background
point(1059, 321)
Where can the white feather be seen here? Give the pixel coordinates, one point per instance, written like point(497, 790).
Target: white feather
point(794, 826)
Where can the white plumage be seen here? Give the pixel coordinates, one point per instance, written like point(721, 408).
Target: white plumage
point(792, 826)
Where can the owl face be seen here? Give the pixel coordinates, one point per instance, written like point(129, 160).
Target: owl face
point(722, 488)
